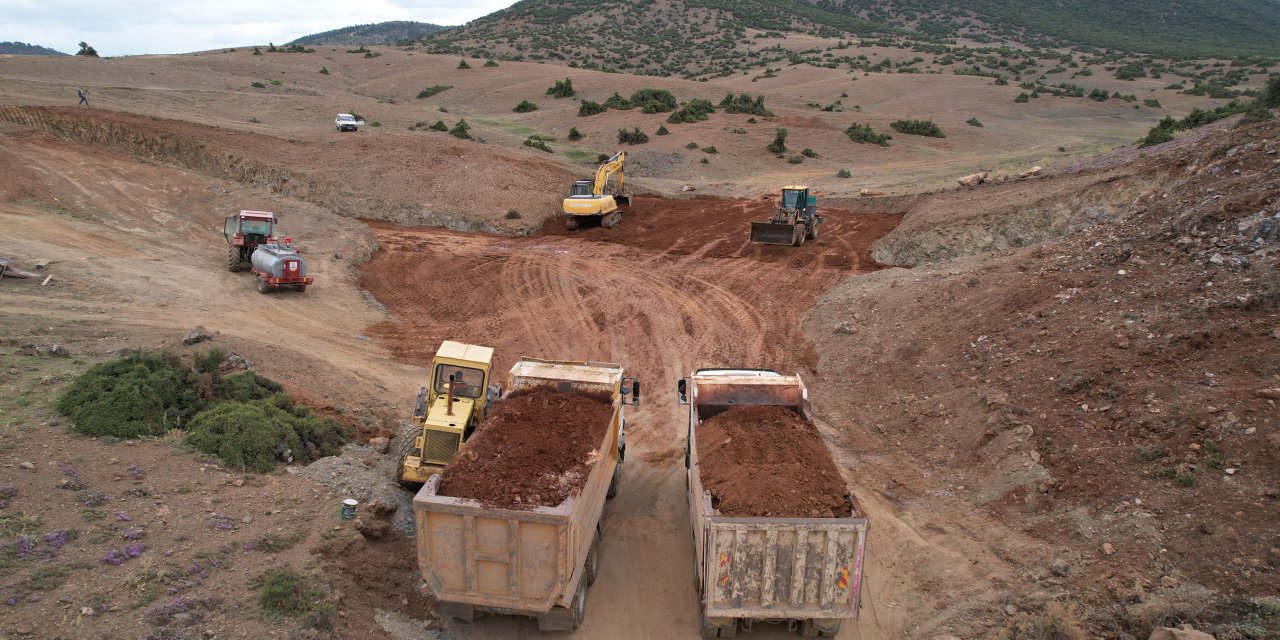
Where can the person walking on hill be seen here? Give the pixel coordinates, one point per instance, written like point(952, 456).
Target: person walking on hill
point(84, 97)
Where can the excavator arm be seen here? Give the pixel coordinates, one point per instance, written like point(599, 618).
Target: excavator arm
point(611, 167)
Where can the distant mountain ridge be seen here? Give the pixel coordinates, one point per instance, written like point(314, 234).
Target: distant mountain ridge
point(377, 33)
point(24, 49)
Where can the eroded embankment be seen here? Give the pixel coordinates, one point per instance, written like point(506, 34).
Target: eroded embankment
point(339, 178)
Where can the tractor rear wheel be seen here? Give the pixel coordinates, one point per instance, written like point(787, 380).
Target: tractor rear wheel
point(233, 259)
point(263, 287)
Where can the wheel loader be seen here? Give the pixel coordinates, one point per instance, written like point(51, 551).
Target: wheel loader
point(588, 200)
point(447, 410)
point(796, 220)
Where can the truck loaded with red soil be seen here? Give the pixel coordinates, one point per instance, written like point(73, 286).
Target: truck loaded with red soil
point(512, 524)
point(777, 533)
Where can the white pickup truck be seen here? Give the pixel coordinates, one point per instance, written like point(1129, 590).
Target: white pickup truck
point(347, 122)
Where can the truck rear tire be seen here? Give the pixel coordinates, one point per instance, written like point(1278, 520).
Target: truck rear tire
point(828, 629)
point(716, 628)
point(592, 569)
point(613, 484)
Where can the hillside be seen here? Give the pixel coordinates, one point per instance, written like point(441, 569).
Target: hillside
point(378, 33)
point(24, 49)
point(1183, 28)
point(716, 38)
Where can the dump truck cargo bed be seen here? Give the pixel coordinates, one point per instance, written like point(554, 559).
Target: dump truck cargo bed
point(804, 570)
point(533, 561)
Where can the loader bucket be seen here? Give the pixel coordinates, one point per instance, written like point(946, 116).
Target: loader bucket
point(769, 233)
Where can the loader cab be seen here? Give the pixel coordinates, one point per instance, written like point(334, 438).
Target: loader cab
point(449, 408)
point(795, 198)
point(581, 188)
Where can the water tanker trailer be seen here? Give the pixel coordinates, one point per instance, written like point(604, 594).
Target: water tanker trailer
point(279, 265)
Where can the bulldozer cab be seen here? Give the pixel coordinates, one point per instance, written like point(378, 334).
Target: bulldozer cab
point(448, 410)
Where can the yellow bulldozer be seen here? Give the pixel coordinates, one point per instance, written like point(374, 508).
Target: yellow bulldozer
point(447, 410)
point(588, 199)
point(796, 220)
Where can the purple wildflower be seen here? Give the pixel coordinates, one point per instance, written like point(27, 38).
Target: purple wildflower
point(133, 534)
point(7, 491)
point(249, 546)
point(122, 516)
point(137, 472)
point(70, 472)
point(11, 600)
point(59, 538)
point(222, 522)
point(35, 597)
point(25, 546)
point(135, 550)
point(114, 557)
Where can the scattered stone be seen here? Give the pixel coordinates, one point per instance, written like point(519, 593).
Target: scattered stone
point(868, 193)
point(58, 351)
point(846, 328)
point(27, 465)
point(1033, 171)
point(972, 180)
point(1168, 582)
point(1010, 610)
point(380, 444)
point(247, 519)
point(1185, 633)
point(688, 187)
point(996, 399)
point(1000, 176)
point(1060, 568)
point(239, 362)
point(1108, 548)
point(86, 611)
point(196, 335)
point(1217, 259)
point(1271, 394)
point(238, 482)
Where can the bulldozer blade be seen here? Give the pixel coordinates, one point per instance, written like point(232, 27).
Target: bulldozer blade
point(769, 233)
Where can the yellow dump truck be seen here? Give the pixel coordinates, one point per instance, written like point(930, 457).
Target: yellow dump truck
point(806, 571)
point(536, 562)
point(447, 410)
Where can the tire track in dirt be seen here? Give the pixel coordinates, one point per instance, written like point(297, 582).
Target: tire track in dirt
point(675, 286)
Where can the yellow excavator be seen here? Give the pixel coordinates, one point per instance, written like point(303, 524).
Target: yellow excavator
point(447, 411)
point(587, 198)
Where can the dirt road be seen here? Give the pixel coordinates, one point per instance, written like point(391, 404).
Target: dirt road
point(676, 286)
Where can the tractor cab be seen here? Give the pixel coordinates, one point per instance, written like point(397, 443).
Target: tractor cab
point(244, 232)
point(449, 408)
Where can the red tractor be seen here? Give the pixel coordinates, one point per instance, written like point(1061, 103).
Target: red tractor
point(251, 239)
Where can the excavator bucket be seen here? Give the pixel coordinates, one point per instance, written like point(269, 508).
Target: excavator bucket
point(769, 233)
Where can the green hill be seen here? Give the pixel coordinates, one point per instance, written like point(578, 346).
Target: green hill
point(379, 33)
point(1208, 28)
point(24, 49)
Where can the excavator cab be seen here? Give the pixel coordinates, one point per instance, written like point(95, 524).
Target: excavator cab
point(447, 410)
point(796, 220)
point(580, 188)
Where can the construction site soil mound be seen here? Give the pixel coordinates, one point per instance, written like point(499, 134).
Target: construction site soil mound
point(767, 461)
point(535, 449)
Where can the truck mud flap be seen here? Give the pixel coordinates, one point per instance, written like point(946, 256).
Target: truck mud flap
point(769, 233)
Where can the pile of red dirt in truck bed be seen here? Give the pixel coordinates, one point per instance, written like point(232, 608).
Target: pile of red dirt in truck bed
point(535, 449)
point(767, 461)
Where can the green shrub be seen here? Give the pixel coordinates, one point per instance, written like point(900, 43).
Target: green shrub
point(744, 103)
point(973, 122)
point(460, 130)
point(257, 85)
point(439, 126)
point(795, 159)
point(844, 173)
point(1271, 94)
point(695, 110)
point(1152, 102)
point(256, 52)
point(616, 101)
point(711, 150)
point(561, 89)
point(635, 136)
point(705, 161)
point(809, 153)
point(525, 107)
point(575, 135)
point(662, 130)
point(692, 145)
point(324, 70)
point(137, 395)
point(490, 63)
point(372, 54)
point(589, 108)
point(779, 144)
point(537, 143)
point(433, 90)
point(751, 120)
point(654, 100)
point(253, 435)
point(863, 133)
point(245, 387)
point(462, 64)
point(1022, 98)
point(285, 591)
point(918, 128)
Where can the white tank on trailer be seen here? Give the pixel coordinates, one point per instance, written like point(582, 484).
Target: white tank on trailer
point(279, 261)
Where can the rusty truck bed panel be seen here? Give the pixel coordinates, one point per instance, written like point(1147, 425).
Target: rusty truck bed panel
point(515, 561)
point(769, 568)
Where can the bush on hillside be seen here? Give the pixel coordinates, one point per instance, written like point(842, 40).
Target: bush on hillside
point(253, 435)
point(537, 143)
point(654, 100)
point(635, 136)
point(462, 64)
point(439, 126)
point(863, 133)
point(695, 110)
point(245, 387)
point(662, 130)
point(525, 107)
point(744, 103)
point(561, 89)
point(433, 90)
point(616, 101)
point(589, 108)
point(574, 134)
point(973, 122)
point(918, 128)
point(138, 395)
point(1271, 95)
point(779, 144)
point(460, 130)
point(491, 63)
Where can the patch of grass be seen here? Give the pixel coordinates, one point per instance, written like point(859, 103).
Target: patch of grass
point(433, 90)
point(46, 578)
point(578, 155)
point(257, 85)
point(1055, 623)
point(286, 592)
point(274, 543)
point(710, 150)
point(537, 143)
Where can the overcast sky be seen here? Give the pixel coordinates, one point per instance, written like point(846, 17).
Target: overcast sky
point(133, 27)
